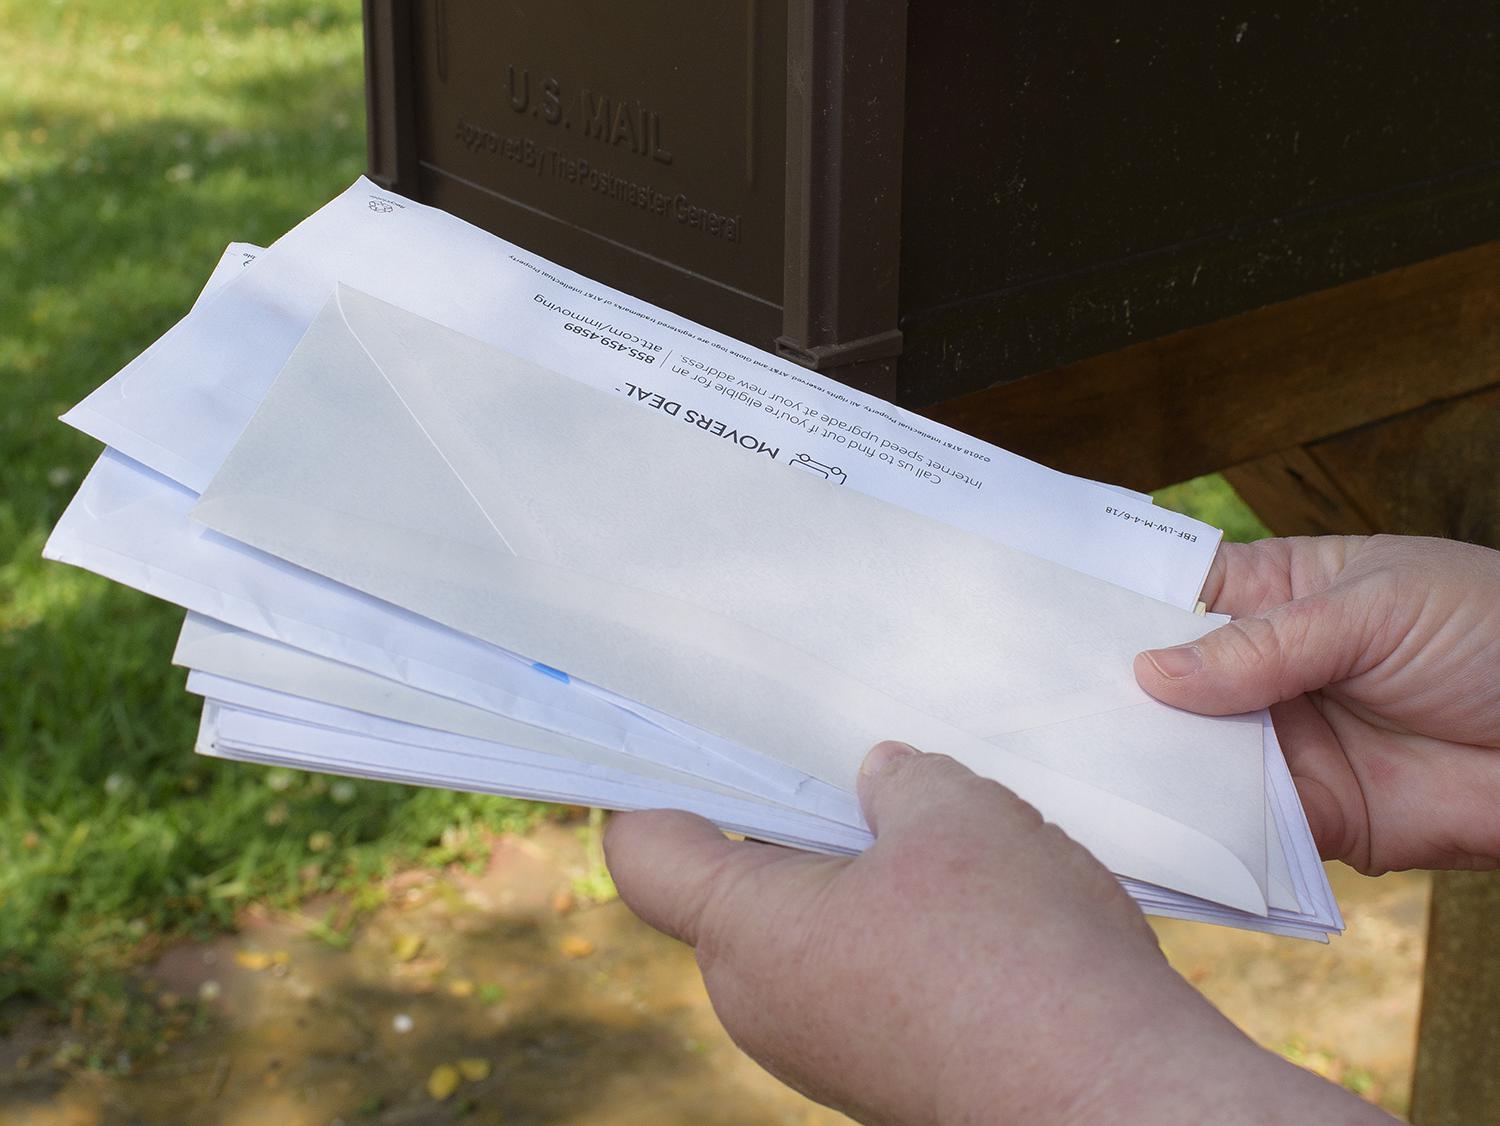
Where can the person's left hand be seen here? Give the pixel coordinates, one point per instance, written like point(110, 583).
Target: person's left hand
point(974, 965)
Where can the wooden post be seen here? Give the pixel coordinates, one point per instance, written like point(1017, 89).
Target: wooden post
point(1457, 1077)
point(1259, 383)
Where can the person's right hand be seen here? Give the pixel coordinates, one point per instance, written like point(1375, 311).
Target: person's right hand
point(1380, 659)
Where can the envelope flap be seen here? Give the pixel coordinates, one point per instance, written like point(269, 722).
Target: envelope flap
point(360, 408)
point(940, 619)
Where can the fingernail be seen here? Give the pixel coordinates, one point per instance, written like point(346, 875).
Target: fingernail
point(1177, 662)
point(882, 755)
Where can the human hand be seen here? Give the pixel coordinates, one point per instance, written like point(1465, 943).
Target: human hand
point(1380, 659)
point(975, 965)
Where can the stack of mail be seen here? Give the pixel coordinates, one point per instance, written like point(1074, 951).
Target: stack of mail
point(446, 513)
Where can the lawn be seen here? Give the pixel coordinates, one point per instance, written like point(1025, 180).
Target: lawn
point(135, 142)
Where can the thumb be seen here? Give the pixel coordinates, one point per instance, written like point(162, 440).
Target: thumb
point(1254, 662)
point(667, 865)
point(905, 791)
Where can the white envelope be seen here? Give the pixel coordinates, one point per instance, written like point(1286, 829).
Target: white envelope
point(327, 737)
point(237, 725)
point(132, 526)
point(238, 668)
point(316, 689)
point(801, 621)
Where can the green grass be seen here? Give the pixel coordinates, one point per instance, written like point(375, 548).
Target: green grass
point(1211, 500)
point(136, 140)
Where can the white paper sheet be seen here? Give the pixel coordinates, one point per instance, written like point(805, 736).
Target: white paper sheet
point(181, 404)
point(236, 256)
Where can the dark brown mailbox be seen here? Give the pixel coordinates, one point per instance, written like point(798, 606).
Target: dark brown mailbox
point(930, 200)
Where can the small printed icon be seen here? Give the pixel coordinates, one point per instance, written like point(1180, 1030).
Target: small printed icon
point(827, 472)
point(380, 206)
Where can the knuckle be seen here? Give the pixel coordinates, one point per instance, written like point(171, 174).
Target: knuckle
point(707, 916)
point(714, 934)
point(1253, 642)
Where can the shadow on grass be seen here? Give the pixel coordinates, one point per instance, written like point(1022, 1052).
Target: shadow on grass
point(110, 241)
point(111, 830)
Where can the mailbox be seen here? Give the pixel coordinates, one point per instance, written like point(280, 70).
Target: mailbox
point(931, 199)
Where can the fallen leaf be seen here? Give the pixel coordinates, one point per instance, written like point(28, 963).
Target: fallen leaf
point(461, 987)
point(473, 1069)
point(407, 946)
point(252, 959)
point(576, 946)
point(443, 1081)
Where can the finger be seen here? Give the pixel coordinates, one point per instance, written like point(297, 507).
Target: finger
point(1328, 789)
point(1250, 578)
point(1247, 578)
point(1218, 572)
point(666, 863)
point(1325, 818)
point(1251, 663)
point(902, 790)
